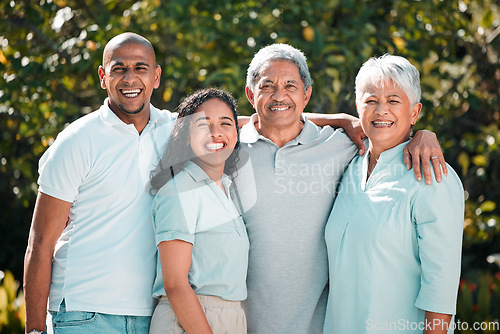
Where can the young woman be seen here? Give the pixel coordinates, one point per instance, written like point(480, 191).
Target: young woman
point(202, 241)
point(394, 244)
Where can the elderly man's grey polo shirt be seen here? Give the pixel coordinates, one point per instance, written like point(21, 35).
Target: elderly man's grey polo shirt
point(286, 195)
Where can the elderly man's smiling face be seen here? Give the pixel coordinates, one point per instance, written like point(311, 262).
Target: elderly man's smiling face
point(278, 95)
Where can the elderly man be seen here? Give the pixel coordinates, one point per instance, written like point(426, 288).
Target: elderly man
point(91, 249)
point(286, 188)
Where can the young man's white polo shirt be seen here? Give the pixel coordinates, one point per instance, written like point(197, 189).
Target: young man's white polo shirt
point(105, 258)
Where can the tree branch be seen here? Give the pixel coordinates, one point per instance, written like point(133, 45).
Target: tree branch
point(23, 23)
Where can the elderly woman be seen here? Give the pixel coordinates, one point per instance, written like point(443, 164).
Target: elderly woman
point(394, 244)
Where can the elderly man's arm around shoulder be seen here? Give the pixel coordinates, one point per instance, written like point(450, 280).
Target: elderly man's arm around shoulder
point(423, 149)
point(349, 123)
point(49, 220)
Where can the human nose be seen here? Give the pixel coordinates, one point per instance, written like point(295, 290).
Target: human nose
point(129, 76)
point(382, 109)
point(215, 131)
point(279, 94)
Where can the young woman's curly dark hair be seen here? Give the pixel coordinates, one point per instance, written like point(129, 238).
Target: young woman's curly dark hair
point(178, 150)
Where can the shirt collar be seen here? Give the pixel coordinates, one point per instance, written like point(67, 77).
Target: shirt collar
point(386, 158)
point(199, 175)
point(389, 155)
point(250, 135)
point(109, 117)
point(392, 153)
point(157, 117)
point(309, 133)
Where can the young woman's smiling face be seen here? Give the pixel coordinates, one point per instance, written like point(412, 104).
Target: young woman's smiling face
point(212, 134)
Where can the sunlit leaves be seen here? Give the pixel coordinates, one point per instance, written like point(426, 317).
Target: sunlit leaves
point(50, 51)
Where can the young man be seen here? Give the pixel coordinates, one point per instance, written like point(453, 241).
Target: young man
point(91, 249)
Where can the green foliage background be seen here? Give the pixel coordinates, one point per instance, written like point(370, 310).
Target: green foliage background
point(50, 51)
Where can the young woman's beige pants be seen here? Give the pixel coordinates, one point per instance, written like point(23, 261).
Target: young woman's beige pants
point(223, 316)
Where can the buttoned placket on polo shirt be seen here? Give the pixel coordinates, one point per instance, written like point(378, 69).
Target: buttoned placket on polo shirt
point(144, 145)
point(224, 197)
point(148, 151)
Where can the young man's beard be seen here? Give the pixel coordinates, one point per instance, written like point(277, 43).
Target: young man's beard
point(131, 112)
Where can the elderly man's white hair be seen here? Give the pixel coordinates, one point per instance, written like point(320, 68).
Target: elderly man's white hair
point(277, 52)
point(379, 71)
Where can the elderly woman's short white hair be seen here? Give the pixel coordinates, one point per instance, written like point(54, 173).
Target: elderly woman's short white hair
point(277, 52)
point(379, 71)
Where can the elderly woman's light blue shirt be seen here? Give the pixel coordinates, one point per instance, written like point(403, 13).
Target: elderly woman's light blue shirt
point(394, 248)
point(192, 208)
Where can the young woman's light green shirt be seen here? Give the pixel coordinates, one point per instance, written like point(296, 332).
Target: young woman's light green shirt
point(192, 208)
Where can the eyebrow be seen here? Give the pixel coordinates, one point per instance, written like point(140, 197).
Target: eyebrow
point(207, 118)
point(376, 95)
point(288, 81)
point(119, 63)
point(201, 118)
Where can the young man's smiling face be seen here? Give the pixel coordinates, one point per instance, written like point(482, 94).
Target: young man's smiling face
point(129, 74)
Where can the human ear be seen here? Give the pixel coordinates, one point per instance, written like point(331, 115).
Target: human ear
point(157, 76)
point(250, 95)
point(415, 111)
point(307, 95)
point(102, 76)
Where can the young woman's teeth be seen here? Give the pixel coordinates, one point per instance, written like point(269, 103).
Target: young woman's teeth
point(131, 92)
point(214, 146)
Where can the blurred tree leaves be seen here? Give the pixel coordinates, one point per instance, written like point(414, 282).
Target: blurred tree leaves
point(12, 313)
point(50, 51)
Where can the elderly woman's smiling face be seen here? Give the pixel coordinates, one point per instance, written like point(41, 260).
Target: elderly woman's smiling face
point(386, 115)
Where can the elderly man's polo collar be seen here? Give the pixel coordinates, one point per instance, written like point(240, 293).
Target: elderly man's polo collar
point(309, 133)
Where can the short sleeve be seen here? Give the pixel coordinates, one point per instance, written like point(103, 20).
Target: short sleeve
point(438, 212)
point(63, 167)
point(170, 218)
